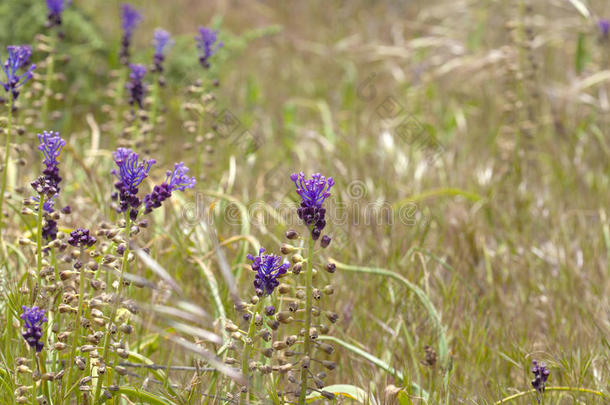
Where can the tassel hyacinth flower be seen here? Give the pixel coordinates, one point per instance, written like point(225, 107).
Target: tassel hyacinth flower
point(131, 173)
point(130, 18)
point(207, 45)
point(135, 85)
point(268, 269)
point(313, 192)
point(56, 9)
point(162, 41)
point(18, 58)
point(176, 179)
point(33, 319)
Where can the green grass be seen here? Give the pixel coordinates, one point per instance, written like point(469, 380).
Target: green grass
point(493, 253)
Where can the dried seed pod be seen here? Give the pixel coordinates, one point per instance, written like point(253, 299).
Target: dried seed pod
point(80, 362)
point(126, 329)
point(279, 345)
point(84, 380)
point(284, 317)
point(290, 340)
point(327, 395)
point(283, 288)
point(258, 320)
point(286, 249)
point(231, 361)
point(120, 370)
point(325, 347)
point(301, 294)
point(63, 336)
point(273, 324)
point(59, 346)
point(297, 268)
point(293, 306)
point(331, 365)
point(265, 335)
point(296, 258)
point(292, 234)
point(231, 327)
point(305, 362)
point(313, 333)
point(331, 267)
point(332, 316)
point(268, 352)
point(329, 290)
point(316, 294)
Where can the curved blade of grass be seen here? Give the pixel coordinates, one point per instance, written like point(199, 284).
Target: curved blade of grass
point(344, 390)
point(551, 389)
point(376, 361)
point(144, 396)
point(159, 374)
point(443, 347)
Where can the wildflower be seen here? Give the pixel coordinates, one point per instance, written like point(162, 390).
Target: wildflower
point(313, 192)
point(604, 28)
point(541, 374)
point(81, 238)
point(18, 57)
point(161, 41)
point(176, 179)
point(131, 173)
point(33, 319)
point(136, 88)
point(268, 269)
point(205, 44)
point(56, 9)
point(130, 18)
point(51, 145)
point(49, 228)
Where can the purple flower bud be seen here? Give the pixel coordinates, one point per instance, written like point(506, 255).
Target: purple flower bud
point(18, 58)
point(325, 241)
point(269, 310)
point(33, 318)
point(268, 269)
point(205, 44)
point(81, 238)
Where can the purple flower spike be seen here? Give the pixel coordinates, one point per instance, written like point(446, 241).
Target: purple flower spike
point(51, 145)
point(130, 18)
point(604, 27)
point(313, 192)
point(268, 269)
point(131, 174)
point(33, 319)
point(56, 9)
point(541, 374)
point(18, 58)
point(135, 86)
point(81, 238)
point(176, 179)
point(162, 41)
point(207, 45)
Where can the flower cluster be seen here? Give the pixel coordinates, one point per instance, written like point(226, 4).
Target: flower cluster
point(130, 18)
point(33, 319)
point(604, 28)
point(56, 9)
point(51, 145)
point(135, 86)
point(541, 374)
point(161, 42)
point(18, 58)
point(313, 192)
point(268, 269)
point(207, 45)
point(176, 179)
point(81, 238)
point(131, 174)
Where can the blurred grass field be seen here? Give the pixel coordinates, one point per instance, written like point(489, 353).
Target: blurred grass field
point(470, 144)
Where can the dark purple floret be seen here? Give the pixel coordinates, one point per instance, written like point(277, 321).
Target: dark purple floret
point(161, 41)
point(269, 310)
point(81, 238)
point(130, 18)
point(51, 145)
point(176, 179)
point(33, 319)
point(268, 269)
point(207, 45)
point(56, 9)
point(604, 27)
point(135, 86)
point(313, 192)
point(130, 174)
point(18, 58)
point(541, 374)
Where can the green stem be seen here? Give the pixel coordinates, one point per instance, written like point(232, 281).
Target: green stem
point(307, 345)
point(115, 308)
point(550, 389)
point(38, 247)
point(248, 345)
point(34, 365)
point(6, 157)
point(79, 313)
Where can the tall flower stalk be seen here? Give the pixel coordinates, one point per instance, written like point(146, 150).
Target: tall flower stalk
point(313, 192)
point(18, 59)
